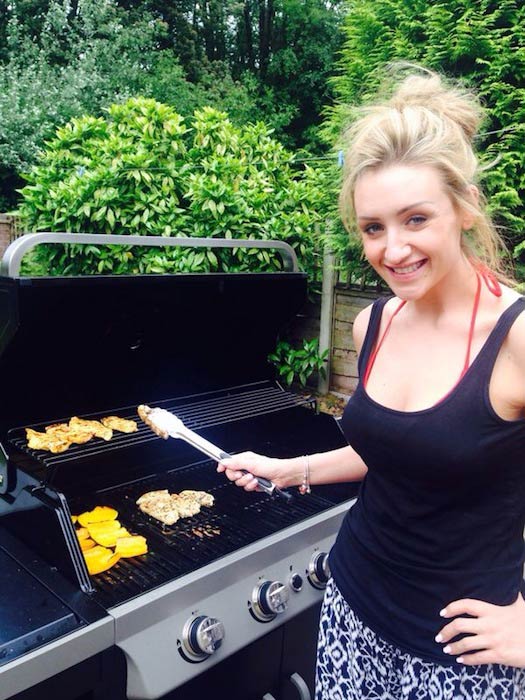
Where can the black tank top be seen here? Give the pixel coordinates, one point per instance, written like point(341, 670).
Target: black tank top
point(441, 511)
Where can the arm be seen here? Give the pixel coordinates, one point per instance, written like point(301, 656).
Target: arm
point(496, 633)
point(335, 466)
point(343, 464)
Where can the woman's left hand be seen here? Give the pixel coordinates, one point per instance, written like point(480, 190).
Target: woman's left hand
point(497, 632)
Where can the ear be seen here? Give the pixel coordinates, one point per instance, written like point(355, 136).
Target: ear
point(468, 216)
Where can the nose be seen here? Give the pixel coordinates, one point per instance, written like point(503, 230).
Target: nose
point(397, 248)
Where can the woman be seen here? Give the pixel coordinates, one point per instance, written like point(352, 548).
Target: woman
point(425, 599)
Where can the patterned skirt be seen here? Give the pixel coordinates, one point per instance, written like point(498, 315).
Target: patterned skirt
point(353, 663)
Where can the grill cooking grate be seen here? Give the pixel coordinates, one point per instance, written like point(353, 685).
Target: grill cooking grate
point(196, 412)
point(236, 520)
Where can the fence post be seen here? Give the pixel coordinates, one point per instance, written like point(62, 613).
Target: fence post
point(7, 231)
point(327, 317)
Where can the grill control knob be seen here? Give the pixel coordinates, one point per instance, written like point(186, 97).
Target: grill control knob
point(269, 598)
point(319, 570)
point(201, 637)
point(296, 582)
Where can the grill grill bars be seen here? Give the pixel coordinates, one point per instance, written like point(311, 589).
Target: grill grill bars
point(197, 414)
point(236, 520)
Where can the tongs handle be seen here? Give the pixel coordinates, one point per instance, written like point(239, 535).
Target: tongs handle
point(269, 487)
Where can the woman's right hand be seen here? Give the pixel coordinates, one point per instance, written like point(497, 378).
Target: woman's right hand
point(255, 465)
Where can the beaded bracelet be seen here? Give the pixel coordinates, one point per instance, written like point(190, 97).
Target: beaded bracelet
point(305, 486)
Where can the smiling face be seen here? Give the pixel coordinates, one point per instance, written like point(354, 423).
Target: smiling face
point(410, 229)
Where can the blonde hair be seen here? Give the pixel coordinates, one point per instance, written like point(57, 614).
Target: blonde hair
point(425, 122)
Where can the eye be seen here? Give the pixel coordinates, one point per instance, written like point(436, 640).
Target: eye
point(372, 229)
point(417, 219)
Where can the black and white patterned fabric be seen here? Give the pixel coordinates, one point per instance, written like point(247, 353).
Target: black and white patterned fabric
point(355, 664)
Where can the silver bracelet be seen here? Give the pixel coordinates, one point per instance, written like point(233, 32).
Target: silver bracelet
point(305, 486)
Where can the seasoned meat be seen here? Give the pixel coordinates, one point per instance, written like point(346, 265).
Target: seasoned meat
point(62, 430)
point(187, 507)
point(202, 497)
point(122, 425)
point(168, 508)
point(160, 509)
point(46, 441)
point(95, 427)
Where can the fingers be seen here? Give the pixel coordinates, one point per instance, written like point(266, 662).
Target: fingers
point(480, 657)
point(471, 626)
point(237, 469)
point(475, 643)
point(465, 606)
point(461, 625)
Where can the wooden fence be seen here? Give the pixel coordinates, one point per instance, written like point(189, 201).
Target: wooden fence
point(342, 366)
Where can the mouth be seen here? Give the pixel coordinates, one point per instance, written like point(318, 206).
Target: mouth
point(407, 269)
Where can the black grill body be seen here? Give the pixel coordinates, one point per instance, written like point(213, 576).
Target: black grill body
point(194, 344)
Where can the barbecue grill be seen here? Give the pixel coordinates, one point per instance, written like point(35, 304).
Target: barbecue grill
point(213, 588)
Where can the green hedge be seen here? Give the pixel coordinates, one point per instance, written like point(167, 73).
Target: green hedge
point(483, 44)
point(145, 170)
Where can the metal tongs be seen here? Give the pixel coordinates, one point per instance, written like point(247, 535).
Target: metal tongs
point(166, 424)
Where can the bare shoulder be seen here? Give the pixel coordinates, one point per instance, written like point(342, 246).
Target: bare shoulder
point(515, 340)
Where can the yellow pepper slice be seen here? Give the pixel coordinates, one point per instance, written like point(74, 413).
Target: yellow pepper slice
point(86, 544)
point(109, 539)
point(103, 527)
point(82, 533)
point(100, 559)
point(98, 514)
point(131, 546)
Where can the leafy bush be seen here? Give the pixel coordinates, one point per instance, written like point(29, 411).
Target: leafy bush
point(145, 170)
point(66, 66)
point(298, 364)
point(483, 43)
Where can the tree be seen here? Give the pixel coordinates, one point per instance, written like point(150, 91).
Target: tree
point(282, 50)
point(478, 41)
point(65, 59)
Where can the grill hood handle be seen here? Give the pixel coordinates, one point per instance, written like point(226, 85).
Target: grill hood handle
point(10, 266)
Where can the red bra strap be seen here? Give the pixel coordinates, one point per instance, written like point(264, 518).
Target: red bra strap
point(373, 355)
point(472, 326)
point(489, 278)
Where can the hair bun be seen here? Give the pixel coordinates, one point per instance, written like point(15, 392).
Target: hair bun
point(428, 90)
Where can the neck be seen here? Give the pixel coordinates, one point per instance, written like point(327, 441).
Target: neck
point(453, 294)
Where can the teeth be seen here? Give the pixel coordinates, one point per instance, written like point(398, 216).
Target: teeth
point(408, 268)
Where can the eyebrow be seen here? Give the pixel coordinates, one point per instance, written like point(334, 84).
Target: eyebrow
point(398, 213)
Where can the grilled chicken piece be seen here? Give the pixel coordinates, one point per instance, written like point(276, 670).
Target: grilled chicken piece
point(187, 507)
point(158, 505)
point(94, 426)
point(202, 497)
point(153, 496)
point(62, 430)
point(45, 441)
point(122, 425)
point(168, 508)
point(162, 510)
